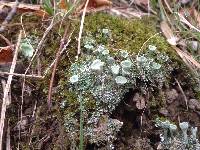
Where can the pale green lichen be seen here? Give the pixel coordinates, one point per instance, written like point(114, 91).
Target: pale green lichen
point(173, 139)
point(112, 40)
point(106, 82)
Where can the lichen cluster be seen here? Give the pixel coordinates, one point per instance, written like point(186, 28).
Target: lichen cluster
point(173, 139)
point(109, 65)
point(105, 75)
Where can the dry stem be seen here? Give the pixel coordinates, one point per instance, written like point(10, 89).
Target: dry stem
point(5, 96)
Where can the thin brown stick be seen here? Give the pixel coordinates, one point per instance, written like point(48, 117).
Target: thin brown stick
point(4, 104)
point(33, 116)
point(6, 40)
point(62, 43)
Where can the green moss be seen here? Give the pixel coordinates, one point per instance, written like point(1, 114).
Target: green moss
point(126, 34)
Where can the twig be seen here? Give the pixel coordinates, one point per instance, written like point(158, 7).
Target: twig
point(40, 43)
point(62, 45)
point(8, 138)
point(6, 40)
point(4, 104)
point(81, 28)
point(9, 16)
point(184, 96)
point(22, 75)
point(8, 100)
point(33, 116)
point(46, 71)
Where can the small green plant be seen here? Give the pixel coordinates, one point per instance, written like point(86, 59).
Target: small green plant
point(48, 7)
point(173, 139)
point(60, 8)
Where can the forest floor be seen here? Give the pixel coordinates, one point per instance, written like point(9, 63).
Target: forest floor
point(40, 42)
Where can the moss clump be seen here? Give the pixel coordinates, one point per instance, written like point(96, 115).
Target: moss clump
point(126, 34)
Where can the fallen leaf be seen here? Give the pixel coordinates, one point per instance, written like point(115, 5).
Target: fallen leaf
point(63, 4)
point(99, 3)
point(6, 54)
point(22, 7)
point(95, 5)
point(141, 2)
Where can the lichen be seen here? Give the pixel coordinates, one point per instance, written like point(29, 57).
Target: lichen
point(93, 75)
point(107, 32)
point(101, 33)
point(172, 139)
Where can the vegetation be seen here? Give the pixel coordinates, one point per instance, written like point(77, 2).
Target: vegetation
point(110, 96)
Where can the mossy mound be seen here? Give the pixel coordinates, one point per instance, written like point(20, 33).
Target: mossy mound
point(129, 35)
point(126, 34)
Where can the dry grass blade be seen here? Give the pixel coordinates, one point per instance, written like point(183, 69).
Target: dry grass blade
point(182, 19)
point(168, 33)
point(188, 59)
point(185, 98)
point(81, 28)
point(8, 147)
point(172, 40)
point(197, 16)
point(4, 104)
point(8, 100)
point(127, 12)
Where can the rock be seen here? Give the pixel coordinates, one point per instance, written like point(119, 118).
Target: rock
point(194, 104)
point(171, 95)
